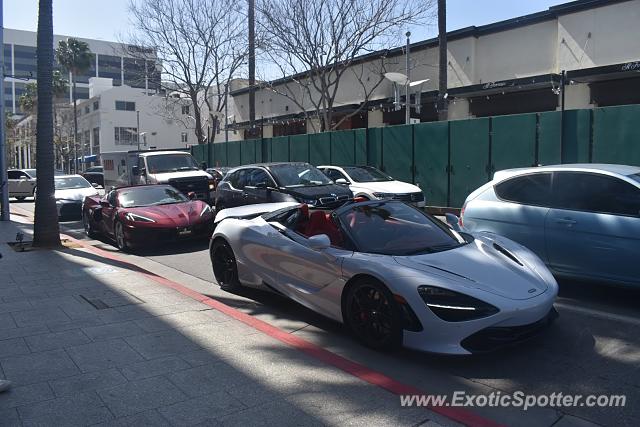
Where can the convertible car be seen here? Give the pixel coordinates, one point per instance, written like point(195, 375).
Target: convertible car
point(144, 214)
point(391, 273)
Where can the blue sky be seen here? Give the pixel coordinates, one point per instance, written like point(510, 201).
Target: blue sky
point(107, 19)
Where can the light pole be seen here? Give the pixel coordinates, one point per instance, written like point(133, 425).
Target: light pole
point(138, 128)
point(4, 183)
point(407, 114)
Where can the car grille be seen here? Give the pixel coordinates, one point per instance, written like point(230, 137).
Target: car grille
point(410, 197)
point(199, 185)
point(331, 200)
point(71, 209)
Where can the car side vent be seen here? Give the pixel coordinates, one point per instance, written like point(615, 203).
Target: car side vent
point(508, 254)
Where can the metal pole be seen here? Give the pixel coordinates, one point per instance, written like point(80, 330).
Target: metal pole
point(226, 111)
point(563, 82)
point(252, 66)
point(4, 183)
point(138, 128)
point(407, 100)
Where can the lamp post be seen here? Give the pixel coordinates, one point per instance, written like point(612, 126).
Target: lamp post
point(407, 114)
point(4, 182)
point(138, 128)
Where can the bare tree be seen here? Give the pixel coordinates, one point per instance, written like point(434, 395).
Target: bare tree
point(315, 44)
point(199, 45)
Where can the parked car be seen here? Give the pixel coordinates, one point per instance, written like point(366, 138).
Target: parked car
point(94, 175)
point(70, 191)
point(279, 182)
point(583, 220)
point(371, 183)
point(390, 272)
point(22, 183)
point(218, 173)
point(142, 215)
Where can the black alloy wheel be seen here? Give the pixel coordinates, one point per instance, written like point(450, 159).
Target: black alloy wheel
point(224, 265)
point(373, 316)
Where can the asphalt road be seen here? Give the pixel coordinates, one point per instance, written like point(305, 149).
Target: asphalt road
point(593, 348)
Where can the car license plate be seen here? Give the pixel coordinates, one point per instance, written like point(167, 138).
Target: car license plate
point(184, 231)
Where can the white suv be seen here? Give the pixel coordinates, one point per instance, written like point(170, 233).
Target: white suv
point(371, 183)
point(22, 183)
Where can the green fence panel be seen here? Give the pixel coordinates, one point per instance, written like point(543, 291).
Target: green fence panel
point(280, 149)
point(431, 158)
point(266, 150)
point(616, 135)
point(549, 125)
point(576, 126)
point(374, 147)
point(513, 141)
point(397, 152)
point(361, 146)
point(320, 148)
point(220, 154)
point(343, 148)
point(198, 152)
point(248, 152)
point(234, 149)
point(469, 141)
point(299, 148)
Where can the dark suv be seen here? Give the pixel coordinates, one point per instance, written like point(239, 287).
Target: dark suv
point(279, 182)
point(94, 175)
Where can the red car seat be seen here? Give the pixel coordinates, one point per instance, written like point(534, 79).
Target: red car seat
point(321, 223)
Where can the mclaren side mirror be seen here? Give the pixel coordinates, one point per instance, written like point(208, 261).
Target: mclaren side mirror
point(452, 220)
point(319, 242)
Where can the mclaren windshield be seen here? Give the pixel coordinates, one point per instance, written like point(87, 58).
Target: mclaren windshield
point(394, 228)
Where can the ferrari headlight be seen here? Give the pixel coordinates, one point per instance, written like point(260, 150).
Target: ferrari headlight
point(205, 210)
point(383, 195)
point(453, 306)
point(137, 218)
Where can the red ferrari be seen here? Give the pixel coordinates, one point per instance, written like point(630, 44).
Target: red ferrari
point(146, 214)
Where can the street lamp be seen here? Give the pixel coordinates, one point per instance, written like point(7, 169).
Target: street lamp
point(399, 80)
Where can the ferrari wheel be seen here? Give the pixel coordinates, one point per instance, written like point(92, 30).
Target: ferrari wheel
point(224, 265)
point(373, 315)
point(88, 228)
point(121, 240)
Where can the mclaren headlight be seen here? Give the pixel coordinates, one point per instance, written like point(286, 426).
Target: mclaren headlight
point(453, 306)
point(137, 218)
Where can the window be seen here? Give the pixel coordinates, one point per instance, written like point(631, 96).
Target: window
point(239, 178)
point(185, 109)
point(258, 176)
point(335, 174)
point(96, 141)
point(184, 137)
point(125, 136)
point(13, 175)
point(96, 105)
point(87, 109)
point(594, 192)
point(534, 189)
point(366, 174)
point(125, 106)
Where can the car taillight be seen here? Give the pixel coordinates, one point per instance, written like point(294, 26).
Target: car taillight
point(460, 219)
point(212, 184)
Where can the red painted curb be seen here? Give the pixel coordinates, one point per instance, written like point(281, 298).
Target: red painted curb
point(353, 368)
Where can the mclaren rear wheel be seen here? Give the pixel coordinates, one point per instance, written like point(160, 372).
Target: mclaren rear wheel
point(372, 315)
point(225, 268)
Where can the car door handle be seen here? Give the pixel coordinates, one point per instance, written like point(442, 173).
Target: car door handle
point(245, 195)
point(566, 221)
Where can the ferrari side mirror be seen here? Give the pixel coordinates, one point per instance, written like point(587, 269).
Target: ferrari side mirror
point(191, 195)
point(104, 204)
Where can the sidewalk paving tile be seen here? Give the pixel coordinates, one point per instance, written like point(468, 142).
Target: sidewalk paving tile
point(207, 379)
point(22, 395)
point(10, 307)
point(103, 355)
point(278, 413)
point(6, 334)
point(80, 409)
point(138, 396)
point(6, 321)
point(147, 418)
point(13, 347)
point(204, 409)
point(161, 344)
point(113, 330)
point(39, 316)
point(10, 418)
point(37, 367)
point(66, 325)
point(87, 382)
point(155, 367)
point(56, 340)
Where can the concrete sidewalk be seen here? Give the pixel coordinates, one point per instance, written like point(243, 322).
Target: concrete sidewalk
point(87, 340)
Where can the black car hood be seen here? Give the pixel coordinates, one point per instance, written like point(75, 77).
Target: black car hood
point(317, 192)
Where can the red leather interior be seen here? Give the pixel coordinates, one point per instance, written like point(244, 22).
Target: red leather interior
point(321, 223)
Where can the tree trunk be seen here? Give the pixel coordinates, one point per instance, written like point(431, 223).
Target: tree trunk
point(46, 231)
point(443, 107)
point(75, 127)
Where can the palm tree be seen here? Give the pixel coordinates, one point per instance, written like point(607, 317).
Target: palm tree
point(75, 57)
point(46, 232)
